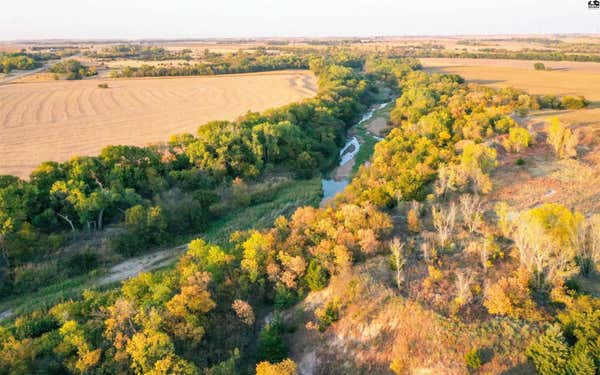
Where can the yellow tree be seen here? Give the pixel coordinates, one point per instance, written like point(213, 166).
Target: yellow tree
point(285, 367)
point(546, 238)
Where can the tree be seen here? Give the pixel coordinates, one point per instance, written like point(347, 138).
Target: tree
point(255, 255)
point(510, 296)
point(285, 367)
point(563, 140)
point(570, 346)
point(518, 139)
point(398, 259)
point(413, 217)
point(462, 283)
point(74, 336)
point(187, 308)
point(476, 161)
point(244, 311)
point(316, 276)
point(546, 237)
point(539, 66)
point(470, 207)
point(589, 249)
point(271, 347)
point(444, 221)
point(148, 347)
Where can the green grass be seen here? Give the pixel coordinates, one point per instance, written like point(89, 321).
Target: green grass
point(260, 216)
point(48, 296)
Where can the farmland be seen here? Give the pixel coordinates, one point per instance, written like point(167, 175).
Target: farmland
point(58, 120)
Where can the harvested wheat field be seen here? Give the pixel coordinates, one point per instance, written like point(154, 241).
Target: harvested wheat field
point(565, 78)
point(61, 119)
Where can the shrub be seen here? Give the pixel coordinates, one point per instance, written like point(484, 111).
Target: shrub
point(328, 315)
point(316, 276)
point(518, 139)
point(548, 102)
point(81, 263)
point(539, 66)
point(520, 161)
point(413, 219)
point(473, 359)
point(284, 298)
point(271, 347)
point(573, 102)
point(103, 85)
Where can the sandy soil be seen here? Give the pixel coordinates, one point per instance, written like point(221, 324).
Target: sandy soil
point(60, 119)
point(135, 266)
point(378, 126)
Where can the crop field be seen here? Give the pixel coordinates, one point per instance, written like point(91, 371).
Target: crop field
point(57, 120)
point(565, 78)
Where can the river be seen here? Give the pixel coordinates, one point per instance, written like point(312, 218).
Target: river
point(333, 186)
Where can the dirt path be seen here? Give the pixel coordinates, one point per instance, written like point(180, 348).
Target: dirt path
point(127, 269)
point(133, 267)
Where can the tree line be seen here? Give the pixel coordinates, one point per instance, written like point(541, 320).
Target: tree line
point(228, 64)
point(139, 52)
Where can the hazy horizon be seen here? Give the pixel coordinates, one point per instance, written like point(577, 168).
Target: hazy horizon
point(188, 19)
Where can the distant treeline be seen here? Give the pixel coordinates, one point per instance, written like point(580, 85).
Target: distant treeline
point(28, 61)
point(494, 53)
point(19, 61)
point(235, 63)
point(138, 52)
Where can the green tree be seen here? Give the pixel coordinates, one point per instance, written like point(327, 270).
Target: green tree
point(316, 276)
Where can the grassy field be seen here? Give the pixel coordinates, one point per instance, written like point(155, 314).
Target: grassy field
point(60, 119)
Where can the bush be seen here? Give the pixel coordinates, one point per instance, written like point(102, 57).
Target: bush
point(34, 325)
point(103, 85)
point(539, 66)
point(284, 298)
point(328, 315)
point(520, 161)
point(271, 347)
point(549, 102)
point(81, 263)
point(573, 102)
point(316, 276)
point(518, 139)
point(473, 359)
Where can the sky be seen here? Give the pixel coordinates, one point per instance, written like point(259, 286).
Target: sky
point(139, 19)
